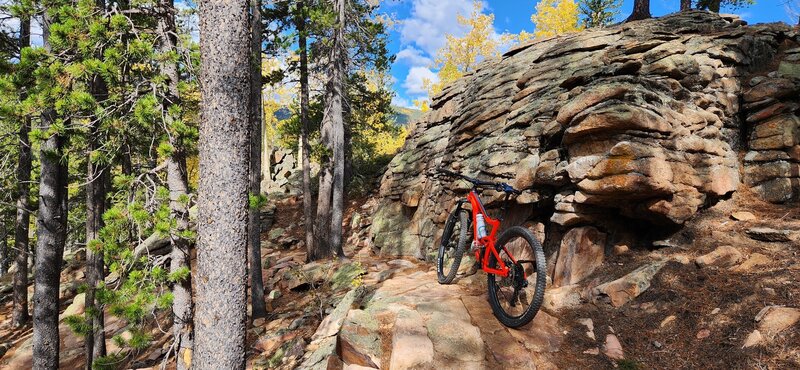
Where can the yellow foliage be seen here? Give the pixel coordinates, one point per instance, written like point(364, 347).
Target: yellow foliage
point(193, 171)
point(422, 104)
point(274, 97)
point(461, 54)
point(373, 119)
point(516, 38)
point(387, 143)
point(556, 17)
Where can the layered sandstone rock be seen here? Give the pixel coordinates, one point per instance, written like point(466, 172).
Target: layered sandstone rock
point(640, 124)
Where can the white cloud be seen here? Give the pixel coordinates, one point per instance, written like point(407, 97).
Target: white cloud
point(401, 102)
point(414, 57)
point(431, 20)
point(415, 81)
point(424, 32)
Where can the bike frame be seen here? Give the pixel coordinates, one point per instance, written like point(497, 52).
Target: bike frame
point(488, 241)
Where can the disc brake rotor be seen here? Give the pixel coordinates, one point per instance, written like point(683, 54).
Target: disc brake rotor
point(516, 280)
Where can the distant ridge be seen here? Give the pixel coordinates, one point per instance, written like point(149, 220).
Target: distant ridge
point(402, 116)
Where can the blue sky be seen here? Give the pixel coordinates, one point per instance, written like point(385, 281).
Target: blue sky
point(423, 24)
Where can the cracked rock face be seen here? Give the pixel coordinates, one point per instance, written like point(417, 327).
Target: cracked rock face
point(638, 124)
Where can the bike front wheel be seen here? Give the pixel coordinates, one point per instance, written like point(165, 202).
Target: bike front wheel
point(516, 299)
point(452, 246)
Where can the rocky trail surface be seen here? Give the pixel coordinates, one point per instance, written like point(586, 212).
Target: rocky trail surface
point(722, 294)
point(411, 321)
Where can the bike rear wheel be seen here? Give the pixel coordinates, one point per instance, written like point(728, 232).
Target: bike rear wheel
point(452, 246)
point(516, 299)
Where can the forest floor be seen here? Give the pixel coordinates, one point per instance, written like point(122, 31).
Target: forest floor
point(384, 312)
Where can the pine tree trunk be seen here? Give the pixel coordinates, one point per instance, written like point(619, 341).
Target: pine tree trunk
point(331, 178)
point(348, 151)
point(686, 5)
point(336, 112)
point(641, 10)
point(259, 306)
point(4, 255)
point(714, 5)
point(51, 235)
point(177, 183)
point(95, 340)
point(179, 258)
point(321, 247)
point(308, 201)
point(51, 232)
point(220, 321)
point(23, 220)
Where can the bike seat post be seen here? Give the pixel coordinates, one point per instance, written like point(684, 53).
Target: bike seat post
point(504, 208)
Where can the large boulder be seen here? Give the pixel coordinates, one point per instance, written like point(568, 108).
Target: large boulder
point(582, 251)
point(639, 122)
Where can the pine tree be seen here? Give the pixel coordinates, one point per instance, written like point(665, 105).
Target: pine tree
point(330, 203)
point(259, 307)
point(22, 223)
point(177, 183)
point(334, 117)
point(598, 13)
point(641, 10)
point(223, 189)
point(96, 179)
point(4, 252)
point(50, 231)
point(308, 206)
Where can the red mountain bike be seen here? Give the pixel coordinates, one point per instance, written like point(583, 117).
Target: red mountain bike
point(514, 262)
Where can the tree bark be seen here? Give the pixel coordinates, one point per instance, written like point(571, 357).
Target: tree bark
point(178, 185)
point(51, 235)
point(331, 178)
point(23, 220)
point(95, 340)
point(259, 306)
point(336, 111)
point(4, 255)
point(714, 5)
point(308, 206)
point(321, 246)
point(179, 259)
point(641, 10)
point(220, 321)
point(686, 5)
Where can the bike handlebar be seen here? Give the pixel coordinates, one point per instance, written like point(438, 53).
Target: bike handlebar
point(498, 186)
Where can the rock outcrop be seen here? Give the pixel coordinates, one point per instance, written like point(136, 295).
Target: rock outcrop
point(283, 173)
point(640, 124)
